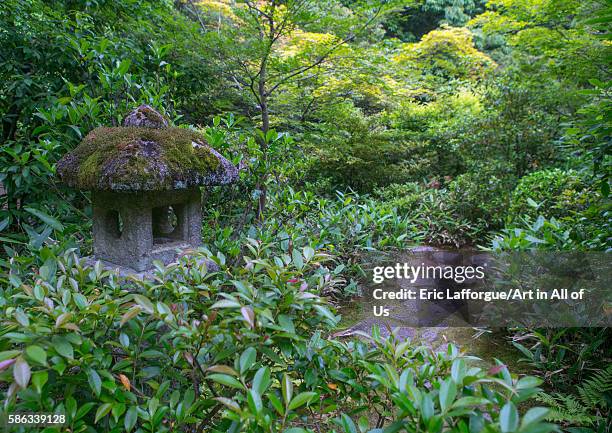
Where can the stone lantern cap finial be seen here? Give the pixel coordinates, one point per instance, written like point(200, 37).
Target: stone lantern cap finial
point(145, 154)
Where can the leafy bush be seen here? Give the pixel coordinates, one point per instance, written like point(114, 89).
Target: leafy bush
point(432, 213)
point(447, 52)
point(574, 362)
point(74, 340)
point(345, 225)
point(242, 349)
point(551, 193)
point(590, 232)
point(358, 151)
point(541, 234)
point(482, 197)
point(517, 126)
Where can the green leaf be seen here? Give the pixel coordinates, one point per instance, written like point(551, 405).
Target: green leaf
point(130, 314)
point(39, 379)
point(84, 410)
point(71, 406)
point(225, 303)
point(448, 392)
point(276, 403)
point(534, 415)
point(231, 404)
point(324, 311)
point(247, 359)
point(308, 253)
point(94, 381)
point(144, 303)
point(249, 316)
point(131, 416)
point(124, 66)
point(261, 381)
point(286, 323)
point(298, 260)
point(301, 399)
point(287, 389)
point(80, 300)
point(37, 354)
point(392, 428)
point(254, 401)
point(427, 407)
point(470, 401)
point(223, 369)
point(363, 424)
point(605, 188)
point(348, 424)
point(476, 424)
point(9, 354)
point(47, 219)
point(4, 223)
point(508, 418)
point(528, 382)
point(458, 371)
point(117, 411)
point(102, 411)
point(63, 347)
point(224, 379)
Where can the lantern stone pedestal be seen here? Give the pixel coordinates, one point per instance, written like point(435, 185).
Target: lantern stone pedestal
point(135, 229)
point(145, 179)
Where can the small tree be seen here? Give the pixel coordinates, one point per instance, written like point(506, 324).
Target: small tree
point(253, 37)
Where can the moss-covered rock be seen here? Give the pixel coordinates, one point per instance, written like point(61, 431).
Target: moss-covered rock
point(144, 159)
point(145, 116)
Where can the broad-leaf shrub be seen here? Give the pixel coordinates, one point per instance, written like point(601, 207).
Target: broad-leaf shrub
point(530, 234)
point(345, 225)
point(552, 193)
point(481, 197)
point(241, 349)
point(82, 342)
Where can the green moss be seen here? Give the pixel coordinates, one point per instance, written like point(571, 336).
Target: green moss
point(139, 156)
point(152, 115)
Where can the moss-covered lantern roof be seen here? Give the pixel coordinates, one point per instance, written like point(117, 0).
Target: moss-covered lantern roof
point(144, 154)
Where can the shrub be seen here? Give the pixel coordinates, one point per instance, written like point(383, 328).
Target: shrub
point(541, 234)
point(405, 197)
point(68, 67)
point(448, 52)
point(482, 197)
point(242, 349)
point(516, 125)
point(77, 342)
point(431, 214)
point(358, 151)
point(575, 364)
point(551, 193)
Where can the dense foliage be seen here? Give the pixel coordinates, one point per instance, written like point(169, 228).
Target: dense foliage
point(357, 126)
point(238, 350)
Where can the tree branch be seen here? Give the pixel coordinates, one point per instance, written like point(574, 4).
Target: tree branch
point(324, 56)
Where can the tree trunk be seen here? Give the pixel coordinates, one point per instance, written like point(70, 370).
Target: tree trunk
point(265, 127)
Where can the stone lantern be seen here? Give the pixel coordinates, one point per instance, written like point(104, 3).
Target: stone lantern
point(145, 178)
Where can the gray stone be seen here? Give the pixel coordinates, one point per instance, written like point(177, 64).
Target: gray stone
point(134, 229)
point(145, 116)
